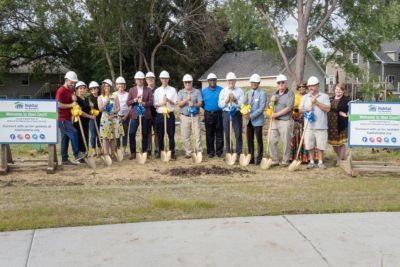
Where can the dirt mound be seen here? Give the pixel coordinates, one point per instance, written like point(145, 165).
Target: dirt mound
point(203, 170)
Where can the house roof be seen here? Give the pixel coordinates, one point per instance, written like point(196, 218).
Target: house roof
point(49, 69)
point(244, 64)
point(388, 47)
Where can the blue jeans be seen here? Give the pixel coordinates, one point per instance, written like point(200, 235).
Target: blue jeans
point(132, 134)
point(93, 135)
point(68, 132)
point(237, 124)
point(170, 131)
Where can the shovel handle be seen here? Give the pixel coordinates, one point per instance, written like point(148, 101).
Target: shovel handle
point(302, 139)
point(165, 132)
point(194, 134)
point(83, 134)
point(98, 135)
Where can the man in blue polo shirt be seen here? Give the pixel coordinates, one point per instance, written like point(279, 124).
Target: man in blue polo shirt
point(213, 117)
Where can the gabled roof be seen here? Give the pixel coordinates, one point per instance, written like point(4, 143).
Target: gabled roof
point(244, 64)
point(49, 69)
point(388, 47)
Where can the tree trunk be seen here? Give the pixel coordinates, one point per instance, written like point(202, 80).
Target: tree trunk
point(108, 57)
point(300, 57)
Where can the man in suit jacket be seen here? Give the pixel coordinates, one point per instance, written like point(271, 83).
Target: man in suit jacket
point(139, 95)
point(257, 98)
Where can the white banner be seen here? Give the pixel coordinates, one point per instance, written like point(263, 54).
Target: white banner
point(25, 121)
point(374, 124)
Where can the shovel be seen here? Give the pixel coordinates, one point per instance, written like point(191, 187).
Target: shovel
point(106, 158)
point(230, 157)
point(197, 157)
point(120, 153)
point(166, 154)
point(141, 156)
point(266, 163)
point(296, 163)
point(245, 158)
point(89, 161)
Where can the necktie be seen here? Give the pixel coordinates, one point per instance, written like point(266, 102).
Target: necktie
point(252, 97)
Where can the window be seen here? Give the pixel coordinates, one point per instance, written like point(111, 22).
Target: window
point(3, 97)
point(390, 79)
point(338, 56)
point(398, 56)
point(25, 97)
point(354, 58)
point(24, 80)
point(332, 79)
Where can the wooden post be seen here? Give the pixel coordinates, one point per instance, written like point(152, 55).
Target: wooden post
point(4, 159)
point(53, 162)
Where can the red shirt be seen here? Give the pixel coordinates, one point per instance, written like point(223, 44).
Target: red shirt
point(64, 95)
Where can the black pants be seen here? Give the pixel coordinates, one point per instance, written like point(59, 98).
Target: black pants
point(85, 128)
point(214, 132)
point(237, 124)
point(257, 131)
point(170, 131)
point(132, 134)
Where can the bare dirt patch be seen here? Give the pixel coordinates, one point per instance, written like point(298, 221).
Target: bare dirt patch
point(205, 170)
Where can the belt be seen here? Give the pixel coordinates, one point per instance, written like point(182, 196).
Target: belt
point(213, 111)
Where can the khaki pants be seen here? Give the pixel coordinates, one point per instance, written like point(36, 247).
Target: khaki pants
point(283, 130)
point(186, 133)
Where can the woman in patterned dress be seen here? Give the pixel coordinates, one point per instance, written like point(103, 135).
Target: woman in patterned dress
point(110, 128)
point(298, 125)
point(337, 123)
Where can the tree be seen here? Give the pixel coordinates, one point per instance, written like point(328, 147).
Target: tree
point(320, 18)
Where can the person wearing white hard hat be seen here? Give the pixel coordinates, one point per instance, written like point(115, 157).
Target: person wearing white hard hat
point(123, 114)
point(257, 98)
point(94, 88)
point(165, 99)
point(86, 106)
point(110, 128)
point(151, 83)
point(282, 125)
point(189, 103)
point(66, 102)
point(213, 117)
point(139, 95)
point(232, 98)
point(316, 134)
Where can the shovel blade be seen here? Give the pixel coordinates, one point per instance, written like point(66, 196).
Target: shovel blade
point(294, 165)
point(265, 163)
point(107, 160)
point(231, 158)
point(165, 156)
point(91, 162)
point(141, 158)
point(197, 157)
point(120, 156)
point(244, 159)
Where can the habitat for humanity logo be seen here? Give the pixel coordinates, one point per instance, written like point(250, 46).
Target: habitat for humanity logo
point(26, 106)
point(19, 105)
point(379, 109)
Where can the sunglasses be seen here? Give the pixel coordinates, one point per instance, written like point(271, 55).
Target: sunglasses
point(280, 82)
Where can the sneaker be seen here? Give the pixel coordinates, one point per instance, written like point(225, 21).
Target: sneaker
point(311, 165)
point(274, 163)
point(173, 156)
point(321, 166)
point(67, 163)
point(158, 155)
point(210, 156)
point(284, 164)
point(80, 156)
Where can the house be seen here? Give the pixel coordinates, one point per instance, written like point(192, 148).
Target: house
point(22, 82)
point(267, 64)
point(384, 68)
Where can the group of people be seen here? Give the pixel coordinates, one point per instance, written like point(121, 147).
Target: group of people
point(109, 118)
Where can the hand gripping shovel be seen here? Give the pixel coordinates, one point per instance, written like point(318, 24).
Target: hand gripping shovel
point(197, 156)
point(266, 163)
point(296, 163)
point(165, 154)
point(141, 156)
point(89, 161)
point(245, 158)
point(230, 157)
point(106, 158)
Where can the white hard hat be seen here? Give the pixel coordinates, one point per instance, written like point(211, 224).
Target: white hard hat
point(211, 76)
point(230, 76)
point(187, 78)
point(80, 83)
point(139, 75)
point(93, 84)
point(120, 79)
point(281, 78)
point(164, 74)
point(108, 81)
point(71, 75)
point(312, 81)
point(255, 78)
point(150, 75)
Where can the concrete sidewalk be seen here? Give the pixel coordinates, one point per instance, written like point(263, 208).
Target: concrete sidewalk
point(364, 239)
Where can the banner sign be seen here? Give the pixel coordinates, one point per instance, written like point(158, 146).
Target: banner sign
point(374, 124)
point(25, 121)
